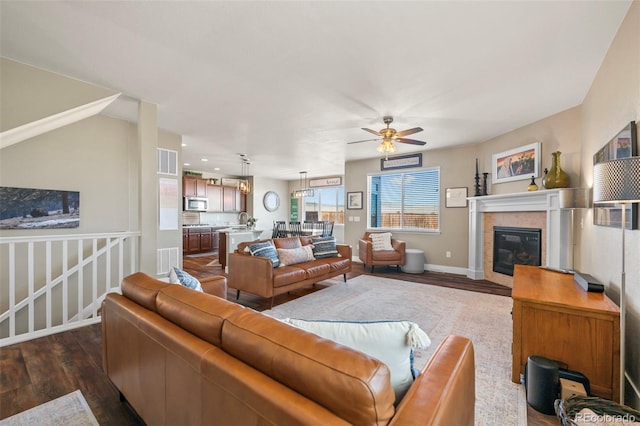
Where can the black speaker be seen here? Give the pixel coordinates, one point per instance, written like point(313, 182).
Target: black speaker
point(542, 383)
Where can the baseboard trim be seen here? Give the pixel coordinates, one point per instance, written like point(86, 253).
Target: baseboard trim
point(447, 269)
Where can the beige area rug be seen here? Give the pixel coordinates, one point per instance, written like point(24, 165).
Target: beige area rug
point(440, 311)
point(68, 410)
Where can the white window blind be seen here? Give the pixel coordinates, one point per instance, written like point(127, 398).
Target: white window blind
point(409, 200)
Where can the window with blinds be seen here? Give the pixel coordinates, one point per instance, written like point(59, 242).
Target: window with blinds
point(409, 201)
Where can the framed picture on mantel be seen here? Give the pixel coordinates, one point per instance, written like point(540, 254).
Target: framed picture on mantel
point(516, 164)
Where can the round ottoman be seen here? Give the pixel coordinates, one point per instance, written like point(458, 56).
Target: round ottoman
point(414, 261)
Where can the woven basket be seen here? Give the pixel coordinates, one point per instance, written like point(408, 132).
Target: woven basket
point(566, 409)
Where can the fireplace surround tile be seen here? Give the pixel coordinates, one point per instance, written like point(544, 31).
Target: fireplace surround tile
point(538, 209)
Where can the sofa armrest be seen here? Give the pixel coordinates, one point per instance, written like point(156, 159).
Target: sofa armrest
point(216, 285)
point(344, 250)
point(444, 392)
point(400, 247)
point(252, 274)
point(365, 251)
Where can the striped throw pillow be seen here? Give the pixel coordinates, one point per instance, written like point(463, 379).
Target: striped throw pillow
point(324, 247)
point(266, 249)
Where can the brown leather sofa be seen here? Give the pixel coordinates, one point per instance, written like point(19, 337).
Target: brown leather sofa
point(183, 357)
point(384, 257)
point(256, 275)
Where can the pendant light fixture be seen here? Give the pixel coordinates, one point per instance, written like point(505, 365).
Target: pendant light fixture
point(243, 183)
point(303, 191)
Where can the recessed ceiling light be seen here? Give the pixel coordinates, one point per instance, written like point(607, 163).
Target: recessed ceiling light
point(204, 159)
point(216, 168)
point(186, 164)
point(184, 144)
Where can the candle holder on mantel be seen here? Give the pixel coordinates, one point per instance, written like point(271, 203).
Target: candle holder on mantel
point(484, 183)
point(477, 192)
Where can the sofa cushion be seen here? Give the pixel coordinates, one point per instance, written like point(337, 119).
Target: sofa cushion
point(288, 275)
point(266, 249)
point(337, 263)
point(387, 255)
point(142, 289)
point(324, 247)
point(315, 269)
point(178, 276)
point(295, 255)
point(389, 341)
point(287, 243)
point(200, 314)
point(349, 383)
point(381, 241)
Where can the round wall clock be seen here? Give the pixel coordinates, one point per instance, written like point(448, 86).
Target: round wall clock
point(271, 201)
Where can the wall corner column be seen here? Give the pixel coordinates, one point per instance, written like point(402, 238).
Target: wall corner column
point(148, 191)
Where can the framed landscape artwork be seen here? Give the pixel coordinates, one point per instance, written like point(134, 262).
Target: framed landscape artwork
point(624, 144)
point(27, 208)
point(516, 164)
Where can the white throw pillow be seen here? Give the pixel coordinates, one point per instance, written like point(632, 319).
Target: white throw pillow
point(381, 241)
point(388, 341)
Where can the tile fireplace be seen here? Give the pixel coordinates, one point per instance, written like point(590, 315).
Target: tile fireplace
point(515, 246)
point(537, 209)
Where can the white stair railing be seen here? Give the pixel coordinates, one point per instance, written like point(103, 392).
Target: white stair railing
point(50, 284)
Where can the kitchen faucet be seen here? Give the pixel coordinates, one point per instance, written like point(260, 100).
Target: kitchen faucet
point(242, 218)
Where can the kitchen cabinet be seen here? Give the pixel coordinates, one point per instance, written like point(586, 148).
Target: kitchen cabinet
point(194, 186)
point(200, 240)
point(233, 200)
point(214, 194)
point(197, 240)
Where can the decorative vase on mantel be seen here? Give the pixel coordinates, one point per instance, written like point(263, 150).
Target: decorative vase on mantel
point(556, 178)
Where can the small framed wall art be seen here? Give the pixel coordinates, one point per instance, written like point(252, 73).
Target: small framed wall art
point(354, 200)
point(456, 197)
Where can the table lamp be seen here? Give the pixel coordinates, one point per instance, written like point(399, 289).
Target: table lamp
point(618, 182)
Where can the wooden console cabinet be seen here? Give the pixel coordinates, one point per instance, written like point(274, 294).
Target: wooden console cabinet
point(555, 318)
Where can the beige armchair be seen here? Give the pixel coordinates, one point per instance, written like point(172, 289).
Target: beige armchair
point(372, 257)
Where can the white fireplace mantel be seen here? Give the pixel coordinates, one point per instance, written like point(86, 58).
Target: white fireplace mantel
point(558, 248)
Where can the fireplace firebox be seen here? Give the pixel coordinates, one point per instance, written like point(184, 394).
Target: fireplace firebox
point(513, 246)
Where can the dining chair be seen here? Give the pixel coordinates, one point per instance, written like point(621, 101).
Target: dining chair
point(295, 229)
point(327, 228)
point(308, 225)
point(279, 229)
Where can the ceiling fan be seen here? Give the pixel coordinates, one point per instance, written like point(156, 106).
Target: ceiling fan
point(390, 135)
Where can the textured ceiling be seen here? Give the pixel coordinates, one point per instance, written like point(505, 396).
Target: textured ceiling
point(290, 83)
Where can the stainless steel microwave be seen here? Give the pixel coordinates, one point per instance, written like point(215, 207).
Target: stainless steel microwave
point(196, 204)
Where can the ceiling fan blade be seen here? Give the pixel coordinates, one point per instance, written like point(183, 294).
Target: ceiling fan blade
point(409, 132)
point(372, 131)
point(366, 140)
point(411, 141)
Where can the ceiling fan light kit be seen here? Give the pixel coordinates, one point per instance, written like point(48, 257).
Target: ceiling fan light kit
point(390, 135)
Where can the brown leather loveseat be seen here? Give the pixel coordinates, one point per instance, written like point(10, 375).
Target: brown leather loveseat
point(183, 357)
point(256, 275)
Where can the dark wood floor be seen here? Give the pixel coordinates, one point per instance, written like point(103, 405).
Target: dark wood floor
point(43, 369)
